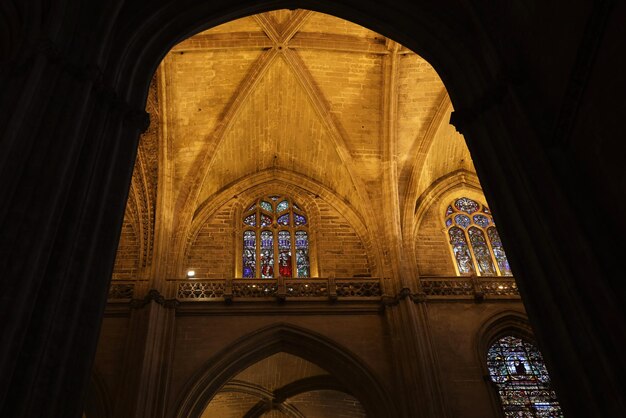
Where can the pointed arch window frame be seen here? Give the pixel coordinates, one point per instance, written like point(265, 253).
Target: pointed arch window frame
point(524, 383)
point(259, 207)
point(450, 212)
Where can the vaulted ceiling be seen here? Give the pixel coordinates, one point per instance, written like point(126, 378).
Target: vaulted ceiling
point(285, 96)
point(297, 92)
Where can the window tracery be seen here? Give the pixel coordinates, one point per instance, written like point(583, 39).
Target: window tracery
point(275, 239)
point(518, 371)
point(474, 239)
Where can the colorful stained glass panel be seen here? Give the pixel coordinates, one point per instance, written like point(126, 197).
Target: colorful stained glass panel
point(481, 251)
point(448, 222)
point(267, 255)
point(466, 205)
point(302, 254)
point(498, 251)
point(481, 220)
point(284, 205)
point(283, 219)
point(460, 249)
point(284, 253)
point(250, 220)
point(265, 220)
point(266, 206)
point(518, 370)
point(462, 220)
point(249, 254)
point(299, 219)
point(251, 207)
point(449, 210)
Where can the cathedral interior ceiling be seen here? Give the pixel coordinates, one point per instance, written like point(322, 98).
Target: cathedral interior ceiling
point(297, 92)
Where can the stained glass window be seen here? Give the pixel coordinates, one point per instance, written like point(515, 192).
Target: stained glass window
point(266, 220)
point(481, 220)
point(299, 219)
point(517, 369)
point(498, 250)
point(249, 253)
point(462, 220)
point(266, 206)
point(250, 220)
point(302, 253)
point(279, 242)
point(466, 205)
point(284, 253)
point(474, 240)
point(481, 251)
point(267, 254)
point(284, 205)
point(460, 250)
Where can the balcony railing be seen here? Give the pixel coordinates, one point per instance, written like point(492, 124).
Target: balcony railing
point(318, 289)
point(466, 287)
point(278, 289)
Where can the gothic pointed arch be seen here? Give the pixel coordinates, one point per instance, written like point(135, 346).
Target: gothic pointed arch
point(275, 238)
point(474, 240)
point(514, 368)
point(346, 368)
point(425, 238)
point(312, 197)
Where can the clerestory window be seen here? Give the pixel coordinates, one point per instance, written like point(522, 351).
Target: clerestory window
point(518, 371)
point(275, 239)
point(474, 239)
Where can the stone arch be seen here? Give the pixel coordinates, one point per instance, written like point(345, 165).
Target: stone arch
point(268, 399)
point(349, 372)
point(305, 189)
point(503, 323)
point(129, 43)
point(438, 196)
point(441, 191)
point(507, 322)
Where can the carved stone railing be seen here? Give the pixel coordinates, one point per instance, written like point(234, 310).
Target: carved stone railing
point(215, 290)
point(470, 287)
point(319, 289)
point(200, 290)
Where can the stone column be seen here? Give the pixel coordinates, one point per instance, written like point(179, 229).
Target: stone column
point(418, 386)
point(147, 359)
point(572, 304)
point(66, 157)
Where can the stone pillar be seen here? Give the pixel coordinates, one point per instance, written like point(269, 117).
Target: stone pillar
point(418, 386)
point(572, 304)
point(148, 357)
point(66, 157)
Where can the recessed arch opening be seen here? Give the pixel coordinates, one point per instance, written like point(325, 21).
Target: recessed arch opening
point(337, 370)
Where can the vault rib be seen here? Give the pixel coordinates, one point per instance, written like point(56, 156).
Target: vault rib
point(336, 132)
point(192, 184)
